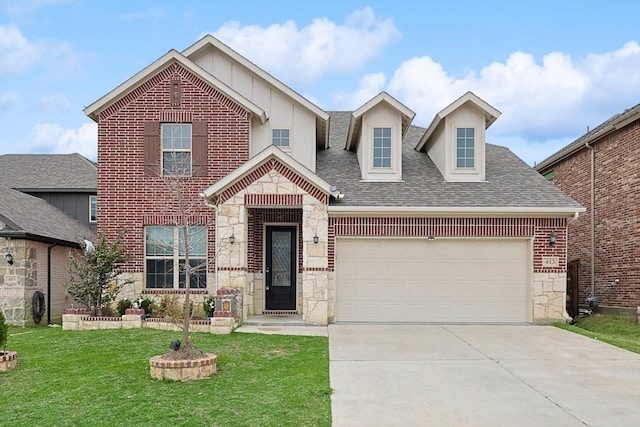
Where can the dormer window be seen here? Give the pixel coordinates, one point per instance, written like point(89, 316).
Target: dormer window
point(465, 148)
point(280, 138)
point(381, 147)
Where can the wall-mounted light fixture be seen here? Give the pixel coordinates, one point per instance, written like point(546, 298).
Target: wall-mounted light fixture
point(553, 237)
point(315, 238)
point(232, 239)
point(9, 258)
point(431, 238)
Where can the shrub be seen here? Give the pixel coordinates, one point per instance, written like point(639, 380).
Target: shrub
point(4, 328)
point(147, 305)
point(123, 304)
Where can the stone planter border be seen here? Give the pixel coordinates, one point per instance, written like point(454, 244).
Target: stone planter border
point(8, 361)
point(183, 370)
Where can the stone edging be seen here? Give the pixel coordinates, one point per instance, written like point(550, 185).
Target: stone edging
point(183, 370)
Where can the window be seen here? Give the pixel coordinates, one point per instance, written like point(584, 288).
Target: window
point(465, 148)
point(381, 147)
point(165, 253)
point(280, 137)
point(93, 208)
point(549, 176)
point(176, 149)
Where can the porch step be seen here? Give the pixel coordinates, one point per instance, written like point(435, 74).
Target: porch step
point(275, 320)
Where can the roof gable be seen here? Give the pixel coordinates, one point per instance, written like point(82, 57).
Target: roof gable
point(172, 56)
point(265, 156)
point(490, 115)
point(382, 97)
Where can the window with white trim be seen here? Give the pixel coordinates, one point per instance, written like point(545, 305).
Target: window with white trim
point(280, 138)
point(381, 147)
point(176, 149)
point(465, 141)
point(93, 208)
point(165, 257)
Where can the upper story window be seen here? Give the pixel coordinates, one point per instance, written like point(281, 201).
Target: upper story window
point(280, 137)
point(165, 257)
point(381, 147)
point(93, 208)
point(176, 149)
point(465, 147)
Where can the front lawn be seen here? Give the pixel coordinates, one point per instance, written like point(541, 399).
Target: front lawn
point(73, 378)
point(619, 330)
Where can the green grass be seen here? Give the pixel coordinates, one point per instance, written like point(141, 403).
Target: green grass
point(619, 330)
point(78, 378)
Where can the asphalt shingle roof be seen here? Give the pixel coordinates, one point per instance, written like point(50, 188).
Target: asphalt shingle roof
point(28, 215)
point(510, 181)
point(52, 172)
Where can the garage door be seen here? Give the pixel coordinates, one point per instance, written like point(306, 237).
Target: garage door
point(441, 281)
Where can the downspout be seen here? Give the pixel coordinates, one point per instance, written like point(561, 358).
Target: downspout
point(593, 217)
point(49, 283)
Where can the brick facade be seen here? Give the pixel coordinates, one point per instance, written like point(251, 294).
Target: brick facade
point(617, 215)
point(127, 198)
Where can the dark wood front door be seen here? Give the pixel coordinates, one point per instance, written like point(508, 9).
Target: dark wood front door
point(572, 288)
point(280, 269)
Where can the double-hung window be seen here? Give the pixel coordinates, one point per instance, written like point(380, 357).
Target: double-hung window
point(165, 256)
point(176, 149)
point(465, 148)
point(381, 147)
point(280, 138)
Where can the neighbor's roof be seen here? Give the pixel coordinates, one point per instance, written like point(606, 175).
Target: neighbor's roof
point(49, 172)
point(616, 122)
point(510, 183)
point(29, 217)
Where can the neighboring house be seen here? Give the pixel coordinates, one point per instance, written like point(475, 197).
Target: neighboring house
point(601, 170)
point(66, 181)
point(35, 240)
point(344, 216)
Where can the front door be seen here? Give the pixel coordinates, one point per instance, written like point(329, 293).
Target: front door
point(280, 268)
point(572, 288)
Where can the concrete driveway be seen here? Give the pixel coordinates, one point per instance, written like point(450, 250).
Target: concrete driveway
point(484, 375)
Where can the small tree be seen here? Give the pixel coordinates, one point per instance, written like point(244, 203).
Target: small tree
point(94, 275)
point(4, 330)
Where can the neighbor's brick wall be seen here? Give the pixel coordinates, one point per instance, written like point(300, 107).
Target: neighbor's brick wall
point(59, 279)
point(617, 213)
point(127, 199)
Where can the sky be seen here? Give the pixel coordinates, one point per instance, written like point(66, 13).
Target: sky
point(553, 68)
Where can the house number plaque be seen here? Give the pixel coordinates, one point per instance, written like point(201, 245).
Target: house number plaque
point(550, 261)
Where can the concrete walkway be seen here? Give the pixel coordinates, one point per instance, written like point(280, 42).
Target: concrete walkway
point(463, 375)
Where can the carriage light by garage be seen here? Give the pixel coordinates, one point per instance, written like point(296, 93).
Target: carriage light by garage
point(9, 258)
point(315, 239)
point(553, 237)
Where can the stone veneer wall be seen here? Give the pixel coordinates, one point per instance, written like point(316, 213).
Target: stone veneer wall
point(232, 262)
point(549, 296)
point(17, 281)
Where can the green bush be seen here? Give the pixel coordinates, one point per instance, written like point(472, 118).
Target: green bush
point(123, 304)
point(148, 305)
point(4, 328)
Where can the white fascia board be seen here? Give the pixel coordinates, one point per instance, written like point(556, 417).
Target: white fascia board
point(93, 110)
point(259, 159)
point(419, 211)
point(210, 40)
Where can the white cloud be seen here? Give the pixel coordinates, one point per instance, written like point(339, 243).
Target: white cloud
point(545, 100)
point(18, 54)
point(368, 87)
point(305, 54)
point(53, 138)
point(8, 99)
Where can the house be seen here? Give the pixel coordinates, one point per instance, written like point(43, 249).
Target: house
point(66, 181)
point(601, 170)
point(335, 216)
point(35, 240)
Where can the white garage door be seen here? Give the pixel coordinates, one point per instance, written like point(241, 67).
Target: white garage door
point(445, 280)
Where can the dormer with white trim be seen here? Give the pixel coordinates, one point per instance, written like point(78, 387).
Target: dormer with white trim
point(455, 140)
point(375, 134)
